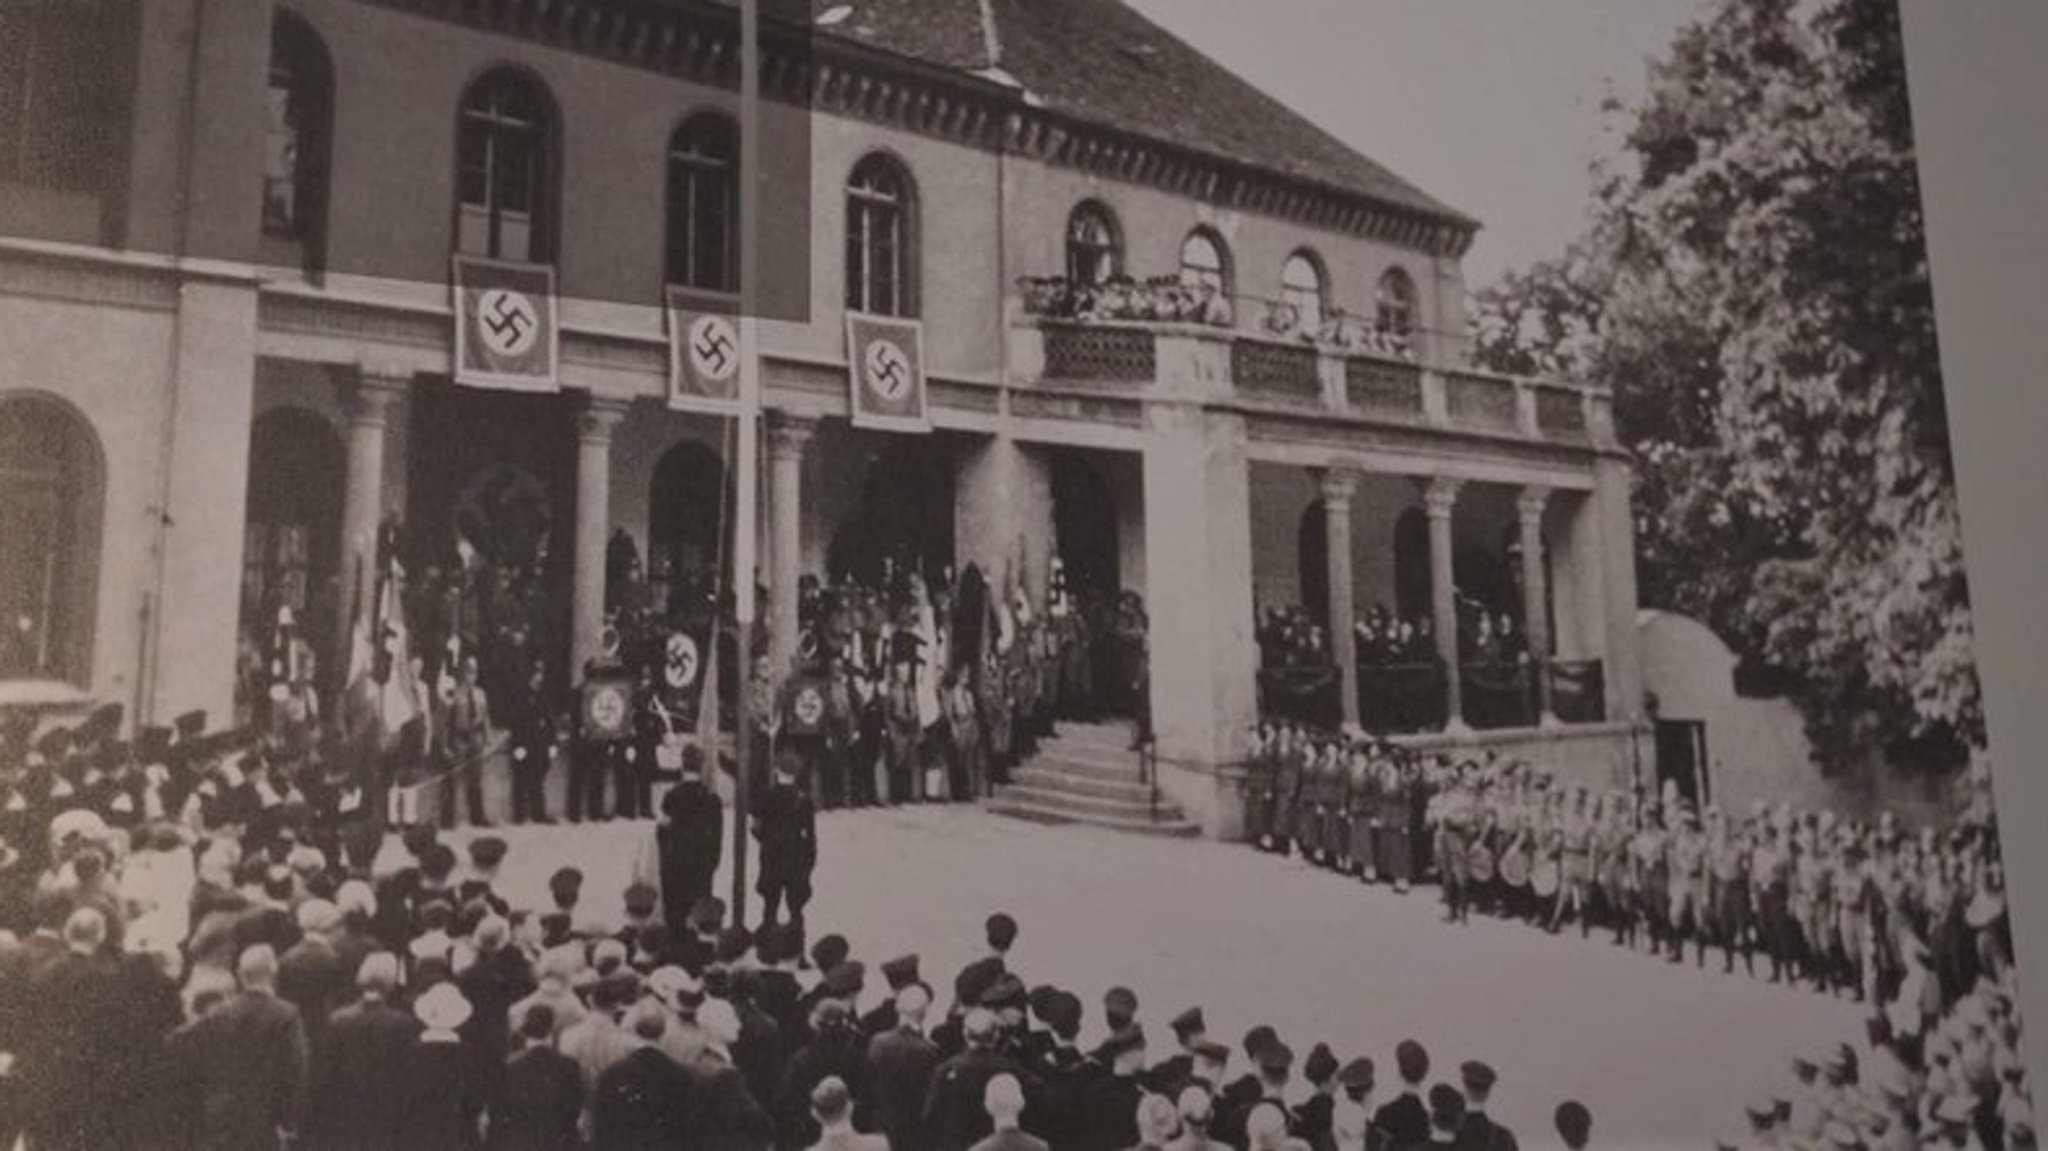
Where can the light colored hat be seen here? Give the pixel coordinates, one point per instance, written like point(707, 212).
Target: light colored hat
point(356, 896)
point(670, 984)
point(442, 1008)
point(317, 917)
point(719, 1021)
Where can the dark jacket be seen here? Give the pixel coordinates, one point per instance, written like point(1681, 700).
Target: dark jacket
point(899, 1074)
point(539, 1100)
point(643, 1102)
point(245, 1064)
point(355, 1085)
point(441, 1094)
point(954, 1115)
point(724, 1116)
point(1404, 1119)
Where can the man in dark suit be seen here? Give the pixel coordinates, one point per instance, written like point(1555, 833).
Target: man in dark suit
point(1446, 1119)
point(1273, 1062)
point(1404, 1118)
point(836, 1051)
point(1314, 1118)
point(1002, 1102)
point(691, 838)
point(310, 975)
point(1001, 934)
point(353, 1091)
point(786, 825)
point(955, 1116)
point(69, 1035)
point(1480, 1132)
point(540, 1097)
point(1110, 1107)
point(1174, 1073)
point(900, 972)
point(724, 1116)
point(900, 1063)
point(246, 1062)
point(644, 1102)
point(1067, 1078)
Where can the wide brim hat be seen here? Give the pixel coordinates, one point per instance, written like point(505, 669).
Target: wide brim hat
point(442, 1008)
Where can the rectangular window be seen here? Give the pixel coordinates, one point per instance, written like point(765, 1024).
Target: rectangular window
point(60, 93)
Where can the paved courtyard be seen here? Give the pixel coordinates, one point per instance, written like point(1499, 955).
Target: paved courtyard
point(1665, 1055)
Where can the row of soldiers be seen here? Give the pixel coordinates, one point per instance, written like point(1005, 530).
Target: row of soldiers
point(1836, 902)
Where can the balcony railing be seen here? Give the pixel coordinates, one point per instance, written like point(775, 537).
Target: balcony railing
point(1406, 698)
point(1196, 343)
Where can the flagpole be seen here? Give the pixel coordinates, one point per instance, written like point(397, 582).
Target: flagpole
point(746, 477)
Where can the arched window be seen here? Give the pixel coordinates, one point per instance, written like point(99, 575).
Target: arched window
point(1301, 287)
point(1202, 261)
point(295, 141)
point(1094, 253)
point(50, 483)
point(703, 203)
point(61, 92)
point(1396, 303)
point(881, 215)
point(504, 152)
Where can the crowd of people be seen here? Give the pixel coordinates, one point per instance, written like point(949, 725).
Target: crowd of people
point(196, 957)
point(1912, 923)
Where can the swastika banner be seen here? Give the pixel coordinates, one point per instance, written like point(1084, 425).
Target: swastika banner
point(885, 363)
point(506, 334)
point(703, 353)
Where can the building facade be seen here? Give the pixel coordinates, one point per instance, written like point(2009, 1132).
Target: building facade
point(1171, 333)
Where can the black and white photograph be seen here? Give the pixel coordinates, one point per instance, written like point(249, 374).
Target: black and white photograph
point(984, 575)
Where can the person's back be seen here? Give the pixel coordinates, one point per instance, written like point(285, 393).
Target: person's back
point(831, 1108)
point(641, 1101)
point(899, 1070)
point(247, 1060)
point(1002, 1103)
point(355, 1081)
point(540, 1096)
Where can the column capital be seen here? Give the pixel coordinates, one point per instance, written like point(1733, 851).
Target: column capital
point(1338, 485)
point(1440, 495)
point(788, 435)
point(1530, 502)
point(596, 423)
point(376, 393)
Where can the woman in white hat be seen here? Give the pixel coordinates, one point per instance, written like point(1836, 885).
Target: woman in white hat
point(442, 1103)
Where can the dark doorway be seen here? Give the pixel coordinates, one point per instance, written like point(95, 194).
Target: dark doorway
point(490, 525)
point(1682, 759)
point(1312, 552)
point(290, 556)
point(1084, 527)
point(905, 514)
point(689, 518)
point(1412, 596)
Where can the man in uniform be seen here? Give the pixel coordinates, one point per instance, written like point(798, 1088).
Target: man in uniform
point(1479, 1132)
point(465, 735)
point(1688, 854)
point(1405, 1118)
point(1450, 816)
point(1110, 1109)
point(1173, 1074)
point(691, 838)
point(1728, 891)
point(786, 826)
point(532, 727)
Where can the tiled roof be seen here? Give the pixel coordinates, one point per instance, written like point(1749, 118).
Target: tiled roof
point(1102, 62)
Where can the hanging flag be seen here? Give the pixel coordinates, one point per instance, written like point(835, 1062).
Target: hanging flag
point(703, 352)
point(506, 334)
point(885, 363)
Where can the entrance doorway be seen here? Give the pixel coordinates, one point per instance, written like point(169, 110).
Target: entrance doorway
point(488, 532)
point(689, 525)
point(291, 549)
point(1682, 760)
point(903, 520)
point(1085, 528)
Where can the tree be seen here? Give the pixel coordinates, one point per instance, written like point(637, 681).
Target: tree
point(1755, 290)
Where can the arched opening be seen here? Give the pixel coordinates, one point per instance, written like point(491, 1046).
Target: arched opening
point(881, 238)
point(1312, 550)
point(689, 525)
point(1084, 526)
point(1301, 290)
point(904, 518)
point(1394, 303)
point(292, 529)
point(1205, 262)
point(703, 203)
point(1094, 245)
point(505, 147)
point(301, 110)
point(52, 479)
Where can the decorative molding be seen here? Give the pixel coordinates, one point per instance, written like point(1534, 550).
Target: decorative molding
point(1529, 505)
point(81, 279)
point(1440, 496)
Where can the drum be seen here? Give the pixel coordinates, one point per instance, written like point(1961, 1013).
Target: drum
point(1514, 869)
point(1544, 878)
point(1480, 862)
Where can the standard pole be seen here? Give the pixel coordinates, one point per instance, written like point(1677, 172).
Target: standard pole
point(746, 473)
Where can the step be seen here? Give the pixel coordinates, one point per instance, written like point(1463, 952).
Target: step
point(1093, 760)
point(1143, 808)
point(1108, 736)
point(1016, 808)
point(1052, 776)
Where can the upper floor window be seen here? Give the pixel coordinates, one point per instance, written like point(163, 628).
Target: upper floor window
point(50, 476)
point(1094, 254)
point(1301, 289)
point(295, 141)
point(1396, 303)
point(880, 232)
point(703, 203)
point(61, 93)
point(1203, 262)
point(504, 151)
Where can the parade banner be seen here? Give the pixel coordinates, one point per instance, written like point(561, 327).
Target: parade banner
point(607, 706)
point(703, 353)
point(507, 334)
point(885, 363)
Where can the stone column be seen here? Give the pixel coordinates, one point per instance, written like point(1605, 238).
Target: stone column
point(1438, 499)
point(786, 439)
point(1624, 667)
point(1338, 486)
point(1529, 507)
point(594, 428)
point(363, 504)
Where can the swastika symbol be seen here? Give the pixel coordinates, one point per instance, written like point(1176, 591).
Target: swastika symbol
point(888, 370)
point(508, 320)
point(714, 348)
point(681, 669)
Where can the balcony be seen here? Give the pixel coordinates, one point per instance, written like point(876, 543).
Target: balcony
point(1164, 339)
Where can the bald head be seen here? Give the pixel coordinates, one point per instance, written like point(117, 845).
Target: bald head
point(256, 970)
point(911, 1004)
point(1004, 1099)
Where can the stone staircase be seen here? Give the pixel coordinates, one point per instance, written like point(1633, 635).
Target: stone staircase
point(1088, 774)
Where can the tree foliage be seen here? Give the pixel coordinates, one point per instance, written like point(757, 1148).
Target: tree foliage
point(1755, 290)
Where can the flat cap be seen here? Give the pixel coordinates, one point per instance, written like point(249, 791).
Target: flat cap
point(1120, 1001)
point(487, 851)
point(1127, 1040)
point(1276, 1058)
point(901, 971)
point(845, 979)
point(1478, 1077)
point(1189, 1022)
point(1320, 1065)
point(1006, 991)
